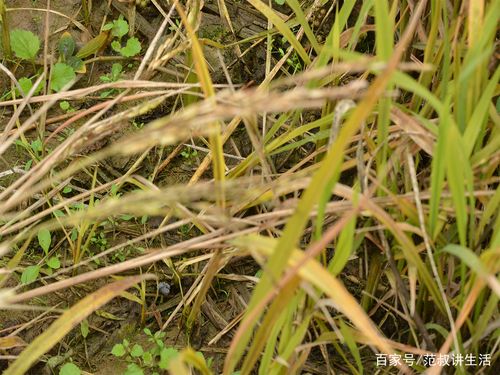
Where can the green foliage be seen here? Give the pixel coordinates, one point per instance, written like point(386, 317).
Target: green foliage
point(132, 47)
point(25, 44)
point(34, 149)
point(66, 107)
point(118, 27)
point(293, 61)
point(119, 350)
point(113, 76)
point(60, 76)
point(54, 263)
point(44, 239)
point(155, 356)
point(70, 369)
point(133, 369)
point(30, 274)
point(189, 153)
point(26, 85)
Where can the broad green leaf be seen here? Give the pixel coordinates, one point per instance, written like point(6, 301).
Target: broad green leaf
point(26, 85)
point(120, 27)
point(44, 239)
point(30, 274)
point(61, 75)
point(24, 43)
point(118, 350)
point(70, 369)
point(147, 357)
point(132, 48)
point(54, 263)
point(136, 351)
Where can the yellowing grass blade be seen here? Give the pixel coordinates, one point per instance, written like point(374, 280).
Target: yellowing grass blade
point(206, 84)
point(67, 321)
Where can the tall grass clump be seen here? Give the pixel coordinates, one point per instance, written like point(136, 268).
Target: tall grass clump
point(318, 194)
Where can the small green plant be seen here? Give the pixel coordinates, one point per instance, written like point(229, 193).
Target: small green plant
point(293, 61)
point(176, 26)
point(156, 357)
point(99, 240)
point(189, 153)
point(26, 83)
point(31, 273)
point(34, 149)
point(119, 28)
point(66, 107)
point(113, 76)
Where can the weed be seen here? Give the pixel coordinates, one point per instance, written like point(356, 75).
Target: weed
point(66, 106)
point(189, 154)
point(119, 28)
point(156, 356)
point(113, 76)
